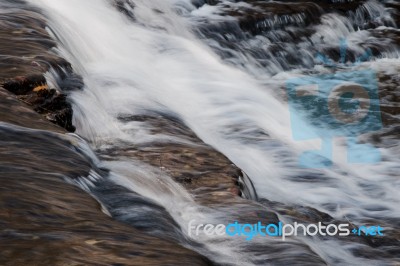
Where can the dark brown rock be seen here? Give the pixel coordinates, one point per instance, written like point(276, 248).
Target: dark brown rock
point(46, 221)
point(34, 91)
point(26, 51)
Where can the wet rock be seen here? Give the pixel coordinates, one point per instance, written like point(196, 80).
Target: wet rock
point(385, 247)
point(126, 7)
point(395, 10)
point(199, 3)
point(23, 85)
point(27, 54)
point(25, 45)
point(52, 104)
point(389, 98)
point(274, 33)
point(14, 112)
point(45, 220)
point(194, 164)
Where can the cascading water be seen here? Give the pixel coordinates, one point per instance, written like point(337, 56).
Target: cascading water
point(157, 61)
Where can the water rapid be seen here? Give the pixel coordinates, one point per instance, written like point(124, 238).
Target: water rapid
point(200, 66)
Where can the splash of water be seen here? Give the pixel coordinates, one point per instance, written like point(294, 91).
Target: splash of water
point(157, 64)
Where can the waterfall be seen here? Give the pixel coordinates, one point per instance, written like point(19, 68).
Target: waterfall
point(170, 58)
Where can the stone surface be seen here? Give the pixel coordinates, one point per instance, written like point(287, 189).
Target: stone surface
point(27, 53)
point(45, 220)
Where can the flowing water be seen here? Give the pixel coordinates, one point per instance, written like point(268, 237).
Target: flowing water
point(224, 76)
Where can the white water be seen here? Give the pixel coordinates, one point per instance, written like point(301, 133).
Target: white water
point(158, 64)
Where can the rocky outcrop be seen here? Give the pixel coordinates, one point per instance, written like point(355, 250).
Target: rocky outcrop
point(195, 165)
point(52, 104)
point(27, 53)
point(45, 217)
point(45, 220)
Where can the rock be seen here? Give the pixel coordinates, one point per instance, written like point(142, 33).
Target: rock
point(196, 165)
point(27, 50)
point(45, 220)
point(52, 104)
point(23, 85)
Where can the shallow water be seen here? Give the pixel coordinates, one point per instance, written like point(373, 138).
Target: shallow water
point(226, 82)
